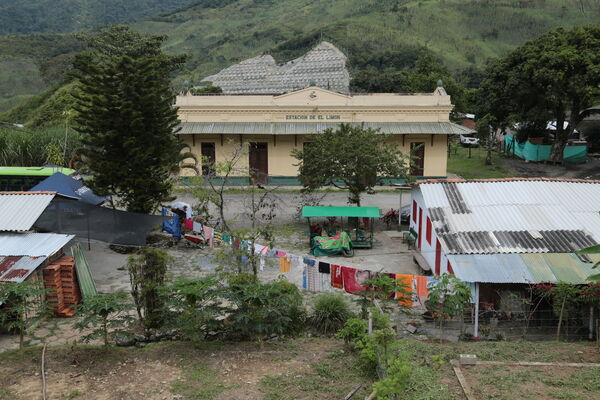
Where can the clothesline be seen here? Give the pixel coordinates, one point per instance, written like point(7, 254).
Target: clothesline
point(318, 276)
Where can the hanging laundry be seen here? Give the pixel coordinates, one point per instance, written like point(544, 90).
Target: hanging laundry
point(313, 279)
point(305, 277)
point(309, 261)
point(218, 236)
point(284, 264)
point(245, 261)
point(324, 267)
point(207, 231)
point(262, 263)
point(354, 278)
point(280, 253)
point(264, 250)
point(421, 285)
point(325, 282)
point(405, 295)
point(188, 224)
point(196, 226)
point(337, 280)
point(258, 248)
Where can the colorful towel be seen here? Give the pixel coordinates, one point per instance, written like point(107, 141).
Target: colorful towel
point(405, 297)
point(313, 280)
point(354, 278)
point(337, 280)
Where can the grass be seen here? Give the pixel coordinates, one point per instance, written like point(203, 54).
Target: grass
point(199, 382)
point(474, 167)
point(332, 377)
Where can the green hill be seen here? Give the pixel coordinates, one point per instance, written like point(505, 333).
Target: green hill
point(56, 16)
point(379, 34)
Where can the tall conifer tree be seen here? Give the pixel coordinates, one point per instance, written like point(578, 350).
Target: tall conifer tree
point(125, 112)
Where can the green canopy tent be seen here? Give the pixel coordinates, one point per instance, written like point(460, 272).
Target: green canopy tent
point(361, 236)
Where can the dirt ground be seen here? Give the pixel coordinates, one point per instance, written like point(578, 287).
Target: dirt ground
point(587, 170)
point(166, 371)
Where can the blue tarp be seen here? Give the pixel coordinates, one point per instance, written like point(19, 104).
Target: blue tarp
point(70, 187)
point(172, 225)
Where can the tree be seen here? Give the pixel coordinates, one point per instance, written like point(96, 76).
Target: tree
point(553, 78)
point(147, 269)
point(448, 298)
point(595, 249)
point(22, 305)
point(351, 158)
point(126, 115)
point(104, 314)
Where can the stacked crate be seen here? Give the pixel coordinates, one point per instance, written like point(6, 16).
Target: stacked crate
point(63, 289)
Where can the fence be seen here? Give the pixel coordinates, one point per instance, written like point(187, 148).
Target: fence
point(541, 152)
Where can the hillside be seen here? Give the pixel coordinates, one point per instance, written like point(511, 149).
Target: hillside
point(56, 16)
point(464, 33)
point(379, 34)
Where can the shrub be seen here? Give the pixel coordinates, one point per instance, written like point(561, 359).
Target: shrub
point(196, 307)
point(263, 309)
point(397, 380)
point(330, 313)
point(104, 314)
point(354, 329)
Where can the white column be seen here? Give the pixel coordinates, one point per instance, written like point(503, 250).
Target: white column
point(476, 321)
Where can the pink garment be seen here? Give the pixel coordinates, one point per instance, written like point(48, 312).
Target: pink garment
point(188, 224)
point(207, 231)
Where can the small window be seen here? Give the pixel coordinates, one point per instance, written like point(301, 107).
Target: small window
point(414, 212)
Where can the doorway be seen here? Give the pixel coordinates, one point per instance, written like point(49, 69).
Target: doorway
point(259, 163)
point(208, 158)
point(417, 154)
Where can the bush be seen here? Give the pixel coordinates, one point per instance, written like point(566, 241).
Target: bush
point(354, 330)
point(264, 309)
point(397, 380)
point(330, 313)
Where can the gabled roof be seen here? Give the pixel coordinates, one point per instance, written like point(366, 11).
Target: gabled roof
point(518, 215)
point(20, 210)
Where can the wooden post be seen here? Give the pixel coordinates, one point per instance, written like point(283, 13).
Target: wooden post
point(591, 325)
point(476, 319)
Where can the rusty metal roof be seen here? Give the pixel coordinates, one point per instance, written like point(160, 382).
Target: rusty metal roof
point(309, 128)
point(514, 215)
point(16, 269)
point(20, 210)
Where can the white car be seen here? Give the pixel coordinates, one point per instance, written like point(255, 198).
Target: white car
point(469, 141)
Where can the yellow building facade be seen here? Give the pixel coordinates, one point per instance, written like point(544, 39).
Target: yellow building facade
point(270, 127)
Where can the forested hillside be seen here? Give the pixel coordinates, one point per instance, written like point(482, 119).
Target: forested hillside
point(55, 16)
point(379, 36)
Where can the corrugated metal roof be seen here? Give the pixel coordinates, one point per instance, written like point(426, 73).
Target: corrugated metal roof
point(84, 276)
point(301, 128)
point(16, 269)
point(522, 268)
point(515, 215)
point(20, 210)
point(32, 244)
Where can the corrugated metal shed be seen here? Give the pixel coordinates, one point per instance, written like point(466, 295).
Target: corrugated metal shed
point(522, 268)
point(20, 210)
point(516, 215)
point(307, 128)
point(32, 244)
point(15, 269)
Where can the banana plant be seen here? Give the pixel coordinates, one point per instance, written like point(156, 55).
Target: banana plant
point(595, 249)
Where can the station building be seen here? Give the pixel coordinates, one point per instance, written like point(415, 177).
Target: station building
point(274, 109)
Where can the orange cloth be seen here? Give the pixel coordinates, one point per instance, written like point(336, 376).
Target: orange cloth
point(284, 264)
point(405, 299)
point(421, 285)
